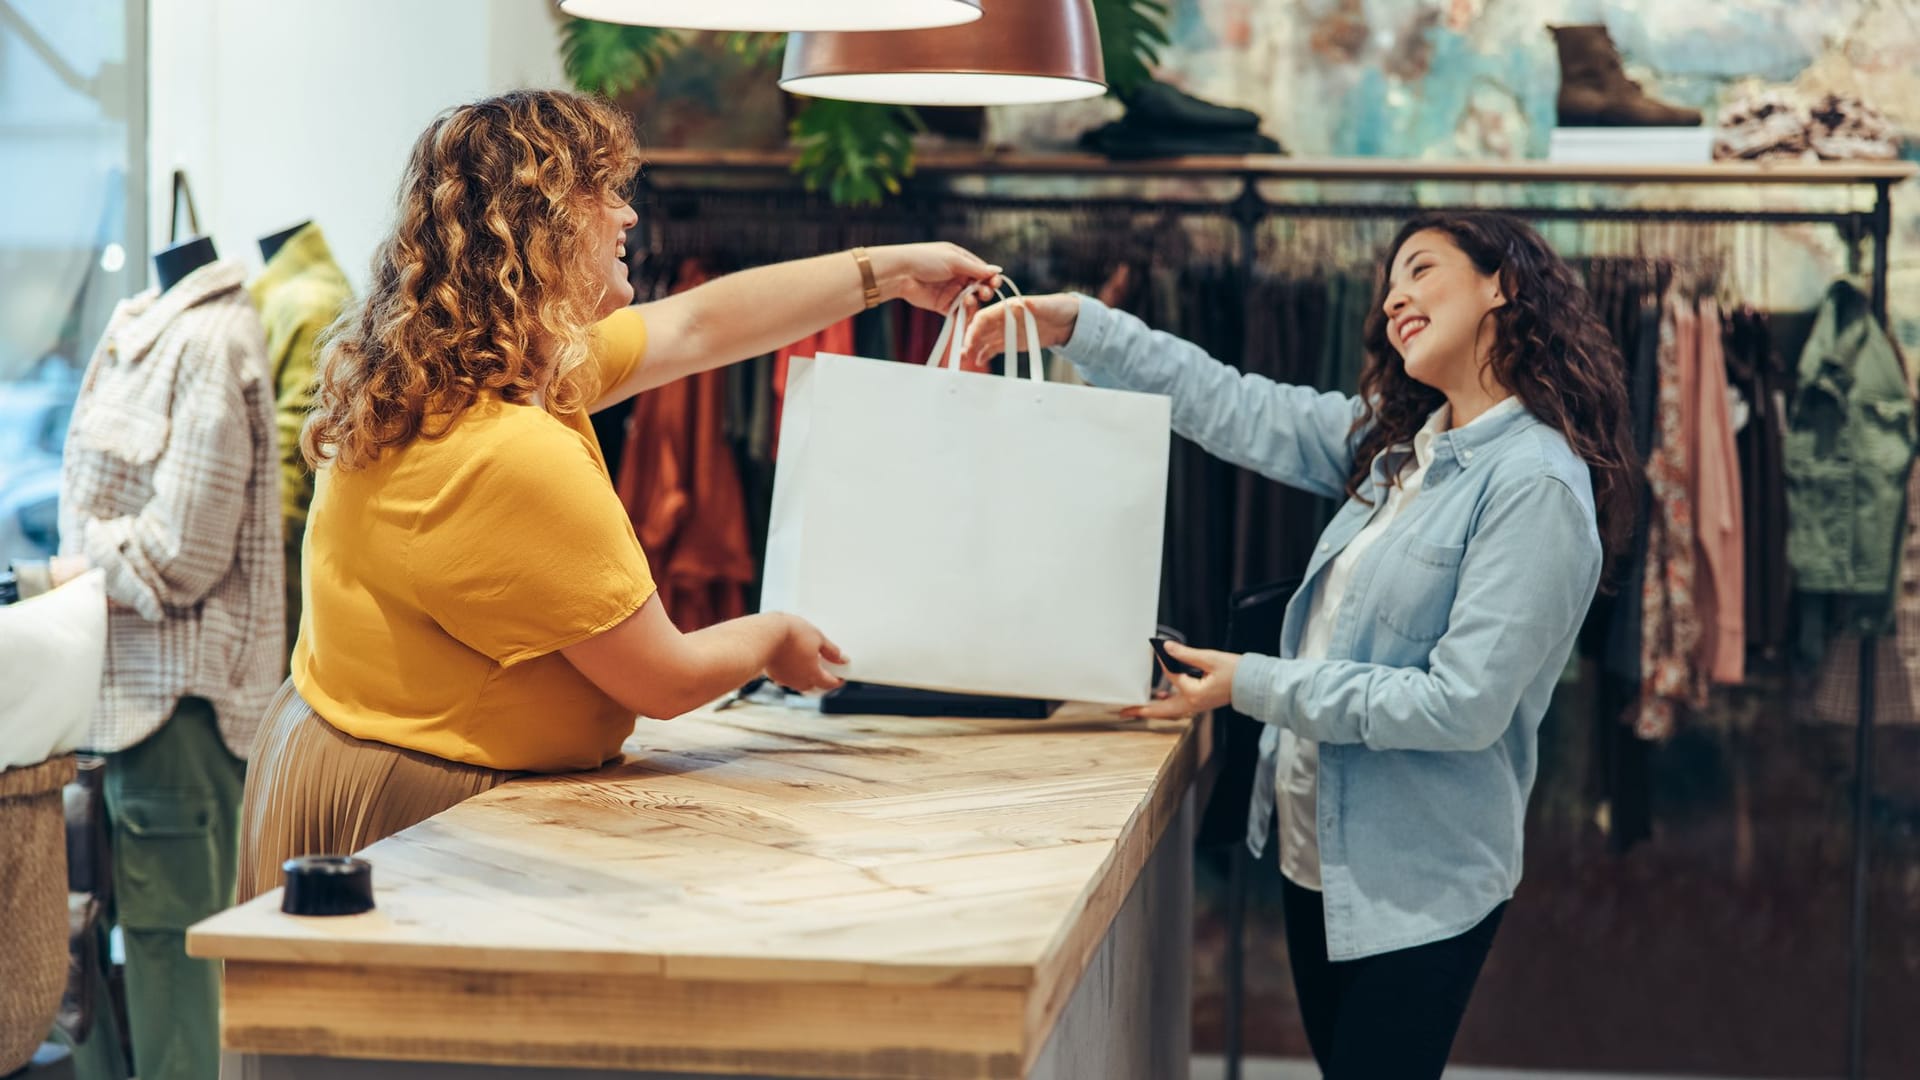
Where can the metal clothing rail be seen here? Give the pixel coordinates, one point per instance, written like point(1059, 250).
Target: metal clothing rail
point(1276, 167)
point(676, 183)
point(754, 173)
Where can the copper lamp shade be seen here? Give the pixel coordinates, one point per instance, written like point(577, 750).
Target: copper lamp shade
point(778, 16)
point(1020, 52)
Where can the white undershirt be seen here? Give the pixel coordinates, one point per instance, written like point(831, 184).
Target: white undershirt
point(1297, 769)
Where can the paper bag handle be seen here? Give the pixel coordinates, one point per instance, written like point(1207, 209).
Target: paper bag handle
point(952, 340)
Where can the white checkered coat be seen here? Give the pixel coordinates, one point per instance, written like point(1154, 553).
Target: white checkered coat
point(169, 484)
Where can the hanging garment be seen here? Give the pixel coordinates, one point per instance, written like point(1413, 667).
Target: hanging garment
point(1906, 609)
point(1628, 296)
point(1274, 526)
point(1849, 447)
point(1350, 298)
point(1719, 518)
point(1832, 696)
point(837, 338)
point(169, 485)
point(681, 486)
point(651, 279)
point(1759, 375)
point(915, 332)
point(1197, 576)
point(760, 423)
point(299, 294)
point(1671, 632)
point(873, 335)
point(753, 454)
point(1622, 650)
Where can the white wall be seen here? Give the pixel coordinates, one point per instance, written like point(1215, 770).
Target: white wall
point(281, 112)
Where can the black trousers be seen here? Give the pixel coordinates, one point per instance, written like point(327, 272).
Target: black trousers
point(1386, 1017)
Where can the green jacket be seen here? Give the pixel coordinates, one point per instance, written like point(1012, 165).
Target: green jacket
point(299, 294)
point(1850, 443)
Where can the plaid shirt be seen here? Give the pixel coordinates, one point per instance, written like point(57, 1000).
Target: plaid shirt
point(169, 485)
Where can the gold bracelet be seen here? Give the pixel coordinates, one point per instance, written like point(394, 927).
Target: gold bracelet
point(869, 286)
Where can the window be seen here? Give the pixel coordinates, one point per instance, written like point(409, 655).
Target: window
point(72, 229)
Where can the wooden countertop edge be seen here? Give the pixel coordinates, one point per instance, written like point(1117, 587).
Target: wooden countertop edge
point(1079, 937)
point(620, 1022)
point(213, 944)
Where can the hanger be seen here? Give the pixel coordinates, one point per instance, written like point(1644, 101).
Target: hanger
point(182, 257)
point(271, 243)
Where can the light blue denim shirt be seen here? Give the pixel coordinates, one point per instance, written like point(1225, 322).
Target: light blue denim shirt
point(1455, 629)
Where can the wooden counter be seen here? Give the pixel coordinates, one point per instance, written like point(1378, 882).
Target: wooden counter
point(759, 891)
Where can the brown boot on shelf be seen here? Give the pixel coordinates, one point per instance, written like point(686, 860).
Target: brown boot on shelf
point(1595, 90)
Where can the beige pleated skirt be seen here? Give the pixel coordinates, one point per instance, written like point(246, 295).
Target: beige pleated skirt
point(315, 790)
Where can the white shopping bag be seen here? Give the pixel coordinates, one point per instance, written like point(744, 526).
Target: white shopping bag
point(53, 651)
point(963, 532)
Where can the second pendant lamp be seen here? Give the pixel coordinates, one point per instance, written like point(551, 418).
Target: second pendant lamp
point(1019, 52)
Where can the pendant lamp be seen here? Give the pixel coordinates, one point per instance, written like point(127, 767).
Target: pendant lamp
point(778, 16)
point(1020, 52)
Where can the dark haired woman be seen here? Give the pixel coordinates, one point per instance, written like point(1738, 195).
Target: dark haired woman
point(1488, 472)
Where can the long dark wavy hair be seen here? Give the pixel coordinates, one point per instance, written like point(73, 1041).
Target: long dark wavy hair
point(1549, 347)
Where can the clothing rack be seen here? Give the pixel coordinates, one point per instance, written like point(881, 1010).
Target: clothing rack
point(678, 185)
point(933, 189)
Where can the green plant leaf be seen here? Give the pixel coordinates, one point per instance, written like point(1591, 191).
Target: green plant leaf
point(612, 58)
point(1132, 33)
point(857, 151)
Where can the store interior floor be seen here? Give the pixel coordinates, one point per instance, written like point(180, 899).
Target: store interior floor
point(1214, 1068)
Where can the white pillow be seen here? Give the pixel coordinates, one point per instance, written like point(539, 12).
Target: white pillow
point(53, 649)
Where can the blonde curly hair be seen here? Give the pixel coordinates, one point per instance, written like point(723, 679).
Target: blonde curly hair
point(482, 286)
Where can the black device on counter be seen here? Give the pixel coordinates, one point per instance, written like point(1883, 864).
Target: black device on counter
point(327, 885)
point(1177, 667)
point(857, 698)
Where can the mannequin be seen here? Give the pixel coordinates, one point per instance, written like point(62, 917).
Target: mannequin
point(199, 361)
point(176, 262)
point(273, 242)
point(182, 257)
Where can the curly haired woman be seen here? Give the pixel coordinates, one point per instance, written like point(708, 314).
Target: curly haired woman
point(476, 602)
point(1487, 471)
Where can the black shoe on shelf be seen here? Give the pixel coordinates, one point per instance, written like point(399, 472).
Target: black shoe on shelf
point(1124, 140)
point(1156, 104)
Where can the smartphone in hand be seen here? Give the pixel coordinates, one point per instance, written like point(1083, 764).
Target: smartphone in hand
point(1177, 667)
